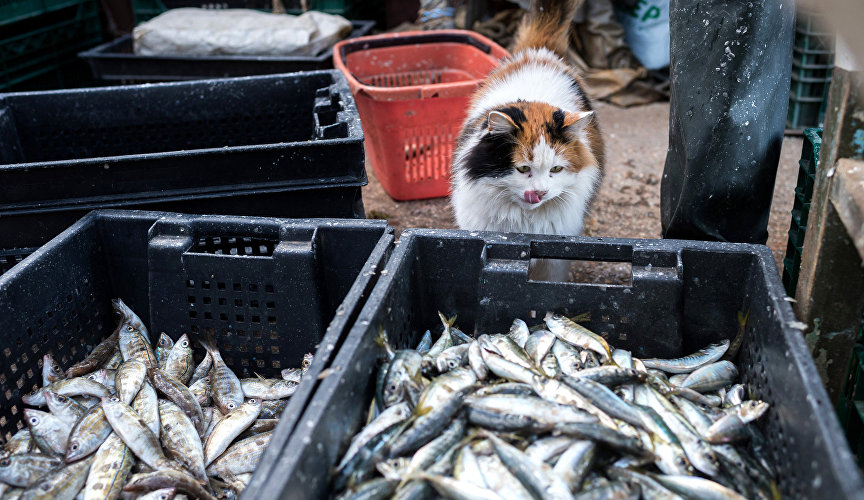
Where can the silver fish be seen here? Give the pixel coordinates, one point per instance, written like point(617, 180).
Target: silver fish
point(241, 457)
point(230, 427)
point(519, 332)
point(134, 345)
point(76, 386)
point(575, 462)
point(696, 487)
point(129, 378)
point(20, 442)
point(129, 318)
point(202, 390)
point(261, 388)
point(539, 344)
point(180, 439)
point(111, 465)
point(49, 433)
point(51, 371)
point(163, 348)
point(88, 434)
point(227, 391)
point(179, 363)
point(202, 369)
point(63, 483)
point(537, 477)
point(731, 427)
point(145, 405)
point(66, 409)
point(135, 433)
point(24, 470)
point(711, 377)
point(575, 334)
point(691, 362)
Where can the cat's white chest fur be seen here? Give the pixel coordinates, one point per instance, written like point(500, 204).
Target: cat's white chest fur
point(482, 205)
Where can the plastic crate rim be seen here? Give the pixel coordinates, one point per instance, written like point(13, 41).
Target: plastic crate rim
point(103, 52)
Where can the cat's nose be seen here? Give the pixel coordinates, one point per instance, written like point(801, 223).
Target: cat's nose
point(532, 196)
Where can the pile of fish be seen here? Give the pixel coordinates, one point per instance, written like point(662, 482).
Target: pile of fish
point(555, 413)
point(138, 422)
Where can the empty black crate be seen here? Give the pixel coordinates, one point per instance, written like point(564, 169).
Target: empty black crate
point(682, 296)
point(116, 61)
point(268, 289)
point(281, 145)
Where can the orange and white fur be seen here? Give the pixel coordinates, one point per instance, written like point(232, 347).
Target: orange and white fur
point(529, 158)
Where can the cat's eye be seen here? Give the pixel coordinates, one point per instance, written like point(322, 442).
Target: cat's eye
point(523, 168)
point(556, 169)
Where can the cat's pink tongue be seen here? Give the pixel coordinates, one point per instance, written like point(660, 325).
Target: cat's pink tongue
point(531, 197)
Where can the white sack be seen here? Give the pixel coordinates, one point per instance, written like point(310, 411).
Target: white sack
point(207, 32)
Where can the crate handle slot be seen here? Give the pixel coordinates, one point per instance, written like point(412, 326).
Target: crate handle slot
point(330, 119)
point(198, 291)
point(655, 275)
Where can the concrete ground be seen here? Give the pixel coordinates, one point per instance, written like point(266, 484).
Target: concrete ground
point(628, 204)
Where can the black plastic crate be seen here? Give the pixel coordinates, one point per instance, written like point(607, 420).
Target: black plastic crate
point(31, 227)
point(682, 296)
point(116, 61)
point(269, 289)
point(281, 145)
point(340, 7)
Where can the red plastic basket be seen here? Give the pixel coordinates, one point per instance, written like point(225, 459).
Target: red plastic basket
point(412, 91)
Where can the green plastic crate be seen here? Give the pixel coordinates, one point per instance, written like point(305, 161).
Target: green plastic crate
point(801, 207)
point(12, 11)
point(812, 68)
point(48, 43)
point(850, 406)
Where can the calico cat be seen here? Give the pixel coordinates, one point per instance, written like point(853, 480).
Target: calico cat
point(529, 158)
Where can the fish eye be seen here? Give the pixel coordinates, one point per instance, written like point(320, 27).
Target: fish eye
point(74, 447)
point(184, 343)
point(115, 399)
point(130, 329)
point(393, 387)
point(5, 462)
point(522, 168)
point(680, 461)
point(230, 406)
point(34, 420)
point(253, 401)
point(556, 169)
point(452, 364)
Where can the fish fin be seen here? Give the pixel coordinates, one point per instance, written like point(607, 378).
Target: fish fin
point(581, 318)
point(383, 342)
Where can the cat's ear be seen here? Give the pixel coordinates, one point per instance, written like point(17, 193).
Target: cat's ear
point(499, 123)
point(575, 122)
